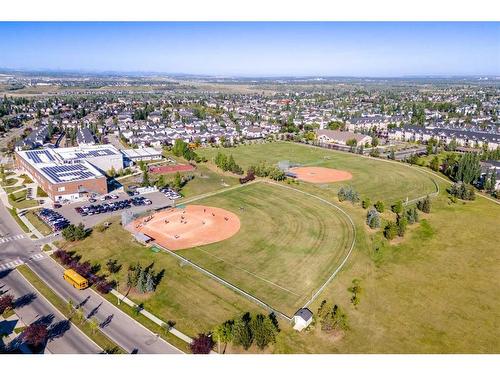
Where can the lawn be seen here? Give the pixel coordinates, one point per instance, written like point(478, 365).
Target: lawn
point(11, 189)
point(432, 292)
point(18, 200)
point(37, 223)
point(288, 244)
point(193, 300)
point(373, 178)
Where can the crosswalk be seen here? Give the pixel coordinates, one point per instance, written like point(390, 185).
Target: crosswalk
point(11, 238)
point(14, 263)
point(11, 265)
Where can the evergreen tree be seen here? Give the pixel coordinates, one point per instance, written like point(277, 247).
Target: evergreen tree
point(150, 285)
point(263, 331)
point(141, 281)
point(243, 332)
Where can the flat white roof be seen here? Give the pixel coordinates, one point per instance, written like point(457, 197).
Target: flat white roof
point(140, 152)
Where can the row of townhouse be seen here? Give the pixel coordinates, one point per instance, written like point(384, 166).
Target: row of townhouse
point(463, 138)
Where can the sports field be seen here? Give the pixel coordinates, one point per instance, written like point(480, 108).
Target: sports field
point(287, 246)
point(373, 178)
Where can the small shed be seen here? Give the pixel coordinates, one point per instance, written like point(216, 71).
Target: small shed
point(302, 318)
point(142, 238)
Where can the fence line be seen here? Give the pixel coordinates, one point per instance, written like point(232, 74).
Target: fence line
point(226, 283)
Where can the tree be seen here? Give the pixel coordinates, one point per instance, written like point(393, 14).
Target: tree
point(373, 218)
point(412, 215)
point(424, 205)
point(434, 164)
point(375, 142)
point(145, 178)
point(150, 284)
point(35, 335)
point(242, 332)
point(94, 325)
point(177, 184)
point(6, 302)
point(351, 142)
point(141, 282)
point(366, 203)
point(468, 168)
point(332, 318)
point(397, 208)
point(113, 266)
point(263, 331)
point(402, 223)
point(223, 333)
point(379, 205)
point(348, 193)
point(462, 191)
point(202, 344)
point(390, 230)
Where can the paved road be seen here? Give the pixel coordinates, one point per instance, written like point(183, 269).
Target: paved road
point(121, 328)
point(67, 339)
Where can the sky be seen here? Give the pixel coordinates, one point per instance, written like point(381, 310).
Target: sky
point(367, 49)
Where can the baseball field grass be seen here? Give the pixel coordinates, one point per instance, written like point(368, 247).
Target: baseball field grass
point(373, 178)
point(288, 244)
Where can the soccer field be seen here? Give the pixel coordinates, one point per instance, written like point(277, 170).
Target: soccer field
point(288, 245)
point(374, 178)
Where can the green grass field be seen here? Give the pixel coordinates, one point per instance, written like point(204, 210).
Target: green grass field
point(432, 292)
point(373, 178)
point(37, 223)
point(288, 244)
point(193, 300)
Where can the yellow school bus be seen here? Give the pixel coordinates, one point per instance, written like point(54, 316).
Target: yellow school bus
point(78, 282)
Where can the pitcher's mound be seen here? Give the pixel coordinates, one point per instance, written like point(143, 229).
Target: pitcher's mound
point(320, 175)
point(182, 228)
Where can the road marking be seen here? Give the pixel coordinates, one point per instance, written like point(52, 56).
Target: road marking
point(11, 238)
point(11, 265)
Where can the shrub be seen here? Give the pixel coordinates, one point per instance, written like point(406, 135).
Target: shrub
point(397, 208)
point(424, 205)
point(390, 230)
point(366, 203)
point(6, 302)
point(202, 344)
point(462, 191)
point(348, 193)
point(380, 206)
point(412, 215)
point(373, 218)
point(402, 224)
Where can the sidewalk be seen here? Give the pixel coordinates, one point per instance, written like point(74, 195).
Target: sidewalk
point(151, 317)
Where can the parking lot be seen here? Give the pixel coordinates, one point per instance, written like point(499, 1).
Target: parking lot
point(113, 207)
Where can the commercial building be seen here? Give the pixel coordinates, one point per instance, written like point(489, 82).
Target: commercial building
point(70, 173)
point(133, 155)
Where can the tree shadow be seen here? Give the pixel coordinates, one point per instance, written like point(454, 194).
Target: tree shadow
point(58, 329)
point(93, 311)
point(106, 321)
point(95, 268)
point(81, 304)
point(158, 277)
point(5, 273)
point(24, 300)
point(45, 320)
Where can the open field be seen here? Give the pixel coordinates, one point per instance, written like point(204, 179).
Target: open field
point(373, 178)
point(287, 246)
point(431, 292)
point(194, 301)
